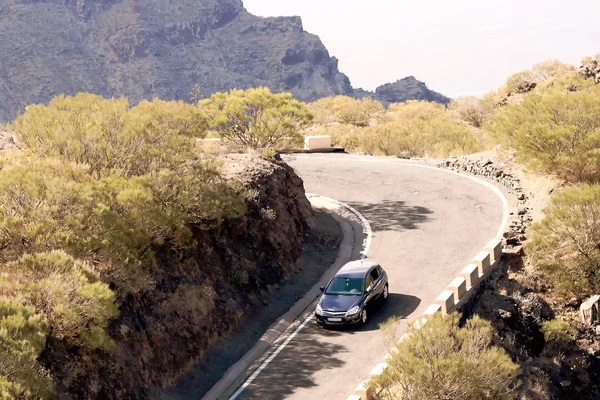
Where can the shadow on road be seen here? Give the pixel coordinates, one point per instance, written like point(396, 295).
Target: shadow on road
point(294, 368)
point(391, 215)
point(397, 305)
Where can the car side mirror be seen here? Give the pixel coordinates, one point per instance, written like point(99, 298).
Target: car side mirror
point(322, 288)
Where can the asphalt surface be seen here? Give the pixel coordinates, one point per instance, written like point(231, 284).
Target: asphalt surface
point(427, 225)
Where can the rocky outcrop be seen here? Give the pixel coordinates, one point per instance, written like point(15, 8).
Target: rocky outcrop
point(591, 70)
point(405, 89)
point(198, 298)
point(143, 49)
point(590, 310)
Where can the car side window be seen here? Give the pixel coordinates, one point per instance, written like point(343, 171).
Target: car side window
point(369, 282)
point(374, 274)
point(380, 270)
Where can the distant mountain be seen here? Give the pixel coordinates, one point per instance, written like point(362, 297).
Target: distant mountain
point(408, 88)
point(161, 48)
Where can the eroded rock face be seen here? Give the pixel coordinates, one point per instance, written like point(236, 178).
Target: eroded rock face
point(197, 298)
point(143, 49)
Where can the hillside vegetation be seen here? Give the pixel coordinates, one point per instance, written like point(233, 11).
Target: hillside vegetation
point(411, 129)
point(96, 191)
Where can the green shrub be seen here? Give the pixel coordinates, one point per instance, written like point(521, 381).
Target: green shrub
point(558, 333)
point(257, 118)
point(444, 361)
point(473, 110)
point(539, 73)
point(67, 292)
point(554, 131)
point(106, 135)
point(22, 340)
point(565, 243)
point(418, 129)
point(114, 221)
point(345, 110)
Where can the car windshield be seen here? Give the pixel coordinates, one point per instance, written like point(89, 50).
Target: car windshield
point(345, 286)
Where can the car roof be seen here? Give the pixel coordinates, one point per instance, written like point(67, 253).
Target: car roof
point(356, 269)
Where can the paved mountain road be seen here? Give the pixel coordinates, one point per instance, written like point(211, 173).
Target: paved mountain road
point(427, 225)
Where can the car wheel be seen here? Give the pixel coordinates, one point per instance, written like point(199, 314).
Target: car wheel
point(364, 317)
point(386, 292)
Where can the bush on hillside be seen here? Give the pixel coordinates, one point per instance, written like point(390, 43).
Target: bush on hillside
point(473, 110)
point(22, 340)
point(565, 243)
point(418, 129)
point(257, 118)
point(525, 81)
point(107, 135)
point(445, 361)
point(558, 333)
point(114, 221)
point(345, 110)
point(554, 131)
point(67, 292)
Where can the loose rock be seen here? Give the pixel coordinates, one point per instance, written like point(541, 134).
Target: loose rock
point(589, 310)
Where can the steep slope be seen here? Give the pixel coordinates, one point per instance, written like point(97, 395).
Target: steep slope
point(200, 296)
point(154, 48)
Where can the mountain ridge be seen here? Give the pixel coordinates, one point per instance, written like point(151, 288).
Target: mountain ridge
point(157, 49)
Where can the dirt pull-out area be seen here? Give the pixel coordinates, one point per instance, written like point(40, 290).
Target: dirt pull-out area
point(319, 253)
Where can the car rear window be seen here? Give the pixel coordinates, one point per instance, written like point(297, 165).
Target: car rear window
point(345, 286)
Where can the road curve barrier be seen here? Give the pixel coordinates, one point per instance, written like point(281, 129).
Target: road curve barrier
point(456, 295)
point(317, 142)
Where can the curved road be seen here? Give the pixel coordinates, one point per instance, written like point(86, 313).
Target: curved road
point(427, 225)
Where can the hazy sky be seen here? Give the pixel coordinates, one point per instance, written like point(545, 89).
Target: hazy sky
point(457, 47)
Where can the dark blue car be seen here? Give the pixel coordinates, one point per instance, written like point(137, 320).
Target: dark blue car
point(351, 294)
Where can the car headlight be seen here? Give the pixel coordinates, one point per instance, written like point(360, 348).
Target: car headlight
point(354, 310)
point(319, 310)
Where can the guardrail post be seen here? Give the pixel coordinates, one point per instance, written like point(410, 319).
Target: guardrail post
point(494, 247)
point(482, 260)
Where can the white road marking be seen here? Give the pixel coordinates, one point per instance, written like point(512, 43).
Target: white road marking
point(363, 254)
point(268, 360)
point(367, 245)
point(366, 225)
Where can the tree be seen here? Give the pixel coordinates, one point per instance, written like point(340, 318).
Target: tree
point(565, 244)
point(554, 131)
point(257, 118)
point(445, 361)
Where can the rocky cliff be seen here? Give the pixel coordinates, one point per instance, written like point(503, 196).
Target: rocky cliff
point(154, 48)
point(160, 48)
point(199, 298)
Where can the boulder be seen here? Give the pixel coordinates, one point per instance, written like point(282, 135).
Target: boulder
point(589, 310)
